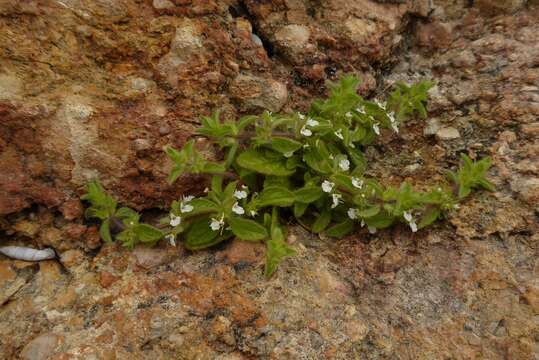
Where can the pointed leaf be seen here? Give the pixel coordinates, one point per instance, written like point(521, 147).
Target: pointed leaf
point(263, 163)
point(246, 229)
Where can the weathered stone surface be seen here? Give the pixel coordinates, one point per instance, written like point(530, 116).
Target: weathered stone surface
point(97, 88)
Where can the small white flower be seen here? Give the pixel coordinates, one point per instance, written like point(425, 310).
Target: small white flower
point(380, 104)
point(301, 116)
point(306, 146)
point(456, 206)
point(352, 213)
point(407, 216)
point(348, 114)
point(206, 190)
point(372, 230)
point(185, 208)
point(253, 213)
point(237, 209)
point(361, 109)
point(331, 156)
point(391, 116)
point(240, 194)
point(244, 187)
point(288, 154)
point(171, 239)
point(327, 186)
point(312, 122)
point(175, 220)
point(413, 226)
point(395, 127)
point(305, 132)
point(344, 164)
point(362, 222)
point(352, 145)
point(376, 128)
point(357, 183)
point(338, 134)
point(336, 198)
point(217, 224)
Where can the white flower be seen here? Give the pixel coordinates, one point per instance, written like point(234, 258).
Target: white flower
point(253, 213)
point(312, 122)
point(376, 128)
point(184, 206)
point(217, 224)
point(362, 222)
point(331, 156)
point(306, 146)
point(175, 220)
point(171, 239)
point(372, 230)
point(380, 104)
point(407, 216)
point(301, 116)
point(338, 134)
point(327, 186)
point(336, 200)
point(206, 190)
point(352, 145)
point(305, 132)
point(348, 114)
point(236, 208)
point(344, 164)
point(240, 194)
point(357, 183)
point(456, 206)
point(352, 213)
point(393, 121)
point(288, 154)
point(361, 109)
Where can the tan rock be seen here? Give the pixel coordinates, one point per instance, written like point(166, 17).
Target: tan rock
point(40, 348)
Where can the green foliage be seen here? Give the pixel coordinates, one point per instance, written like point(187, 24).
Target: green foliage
point(125, 221)
point(310, 167)
point(471, 175)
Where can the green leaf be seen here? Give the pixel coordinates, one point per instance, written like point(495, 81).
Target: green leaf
point(381, 220)
point(104, 231)
point(275, 196)
point(276, 251)
point(369, 212)
point(201, 206)
point(322, 221)
point(429, 217)
point(213, 168)
point(147, 234)
point(127, 238)
point(263, 163)
point(246, 229)
point(285, 145)
point(201, 236)
point(341, 229)
point(127, 214)
point(308, 194)
point(299, 209)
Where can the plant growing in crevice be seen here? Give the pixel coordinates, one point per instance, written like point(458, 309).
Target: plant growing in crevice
point(310, 167)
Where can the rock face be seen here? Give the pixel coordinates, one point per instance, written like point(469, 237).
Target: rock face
point(97, 88)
